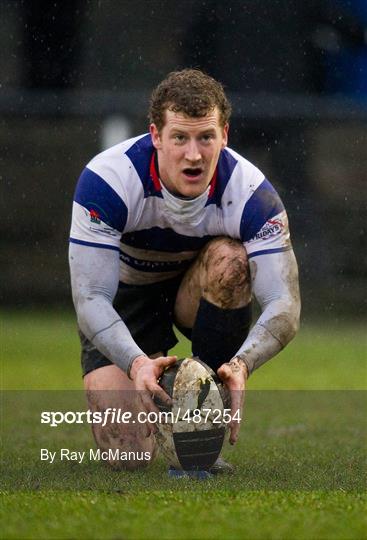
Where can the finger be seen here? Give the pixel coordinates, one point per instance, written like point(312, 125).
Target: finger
point(146, 425)
point(165, 361)
point(234, 431)
point(234, 427)
point(150, 407)
point(236, 400)
point(148, 403)
point(160, 394)
point(152, 428)
point(236, 409)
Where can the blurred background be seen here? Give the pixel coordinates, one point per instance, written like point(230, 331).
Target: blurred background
point(76, 77)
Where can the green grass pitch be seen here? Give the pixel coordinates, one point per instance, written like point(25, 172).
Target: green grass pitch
point(300, 460)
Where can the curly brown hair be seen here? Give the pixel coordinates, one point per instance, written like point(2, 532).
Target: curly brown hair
point(191, 92)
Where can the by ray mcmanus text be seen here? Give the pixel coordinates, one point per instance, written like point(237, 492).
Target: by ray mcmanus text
point(93, 454)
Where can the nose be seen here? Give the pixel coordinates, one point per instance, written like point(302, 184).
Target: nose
point(192, 152)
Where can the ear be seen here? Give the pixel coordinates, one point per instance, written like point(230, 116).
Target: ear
point(225, 135)
point(156, 138)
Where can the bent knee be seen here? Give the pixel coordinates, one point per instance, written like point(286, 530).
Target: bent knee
point(226, 273)
point(223, 254)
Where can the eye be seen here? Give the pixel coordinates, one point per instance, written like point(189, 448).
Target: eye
point(208, 137)
point(179, 138)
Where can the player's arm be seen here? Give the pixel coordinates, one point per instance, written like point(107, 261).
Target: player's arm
point(275, 285)
point(274, 273)
point(100, 213)
point(94, 280)
point(94, 275)
point(264, 231)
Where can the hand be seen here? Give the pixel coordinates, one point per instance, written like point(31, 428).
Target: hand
point(234, 375)
point(145, 372)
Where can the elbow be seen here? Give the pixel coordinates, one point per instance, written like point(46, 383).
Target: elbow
point(296, 315)
point(87, 304)
point(294, 324)
point(293, 320)
point(284, 325)
point(82, 313)
point(80, 302)
point(87, 298)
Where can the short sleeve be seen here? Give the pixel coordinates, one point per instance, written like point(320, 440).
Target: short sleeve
point(99, 213)
point(264, 223)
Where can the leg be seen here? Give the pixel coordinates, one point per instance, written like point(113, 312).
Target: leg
point(214, 300)
point(108, 386)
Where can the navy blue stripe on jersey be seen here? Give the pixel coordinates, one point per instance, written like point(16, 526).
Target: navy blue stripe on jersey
point(266, 251)
point(158, 239)
point(225, 167)
point(140, 155)
point(153, 266)
point(102, 202)
point(93, 244)
point(264, 204)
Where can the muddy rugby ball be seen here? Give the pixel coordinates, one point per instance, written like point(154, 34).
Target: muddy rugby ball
point(191, 436)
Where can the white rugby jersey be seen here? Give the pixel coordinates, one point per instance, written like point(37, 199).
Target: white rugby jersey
point(119, 204)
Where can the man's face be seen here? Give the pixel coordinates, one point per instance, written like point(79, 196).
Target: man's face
point(188, 151)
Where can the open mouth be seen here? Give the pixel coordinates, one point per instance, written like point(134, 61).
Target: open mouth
point(192, 172)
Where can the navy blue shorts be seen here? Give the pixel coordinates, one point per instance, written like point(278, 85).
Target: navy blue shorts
point(147, 311)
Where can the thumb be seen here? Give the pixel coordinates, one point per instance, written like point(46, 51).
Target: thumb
point(167, 361)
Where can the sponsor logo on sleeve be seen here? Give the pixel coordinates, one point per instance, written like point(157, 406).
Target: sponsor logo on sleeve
point(98, 219)
point(273, 227)
point(95, 216)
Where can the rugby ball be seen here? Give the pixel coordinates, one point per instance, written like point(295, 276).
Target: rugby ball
point(191, 433)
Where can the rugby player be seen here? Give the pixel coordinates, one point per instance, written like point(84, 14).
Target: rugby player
point(174, 227)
